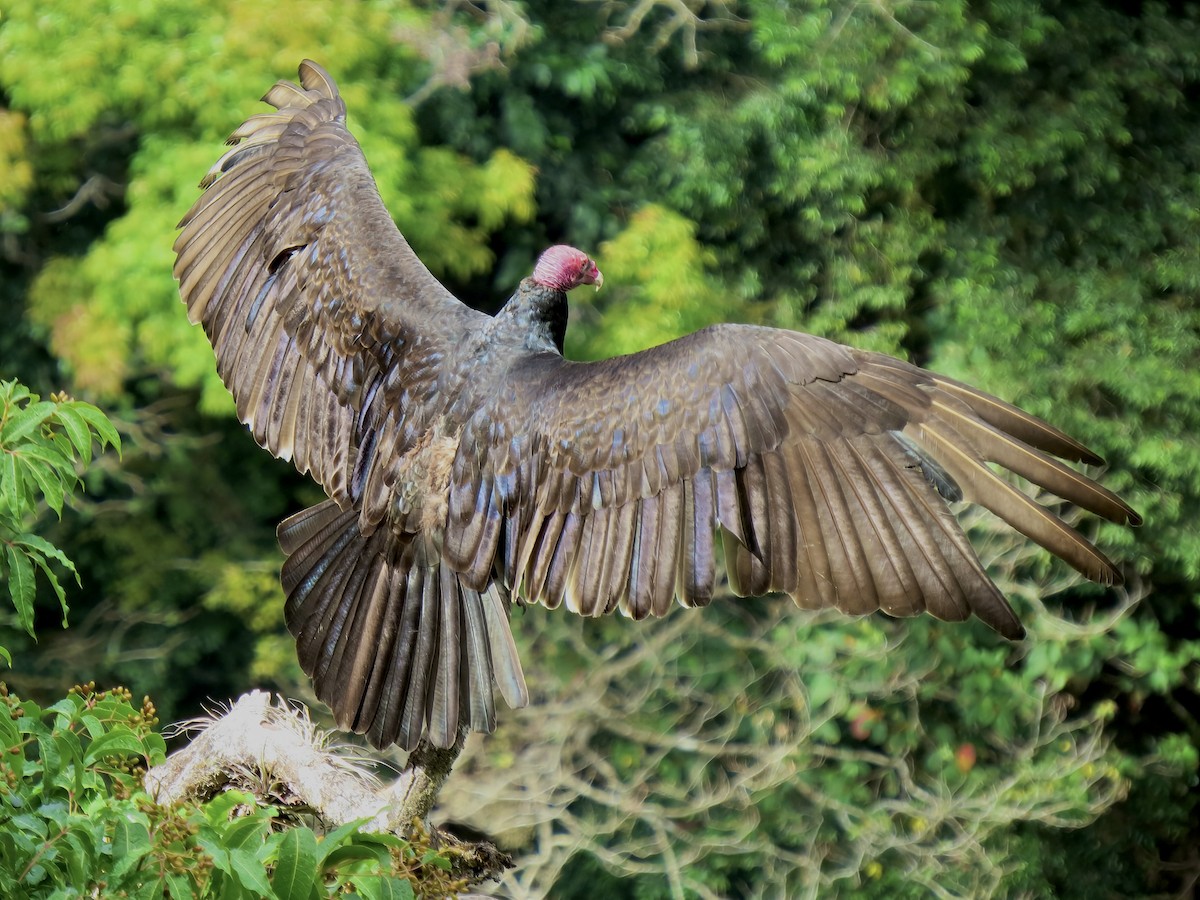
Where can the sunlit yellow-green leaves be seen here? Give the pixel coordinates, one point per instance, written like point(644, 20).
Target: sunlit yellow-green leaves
point(658, 275)
point(16, 171)
point(177, 76)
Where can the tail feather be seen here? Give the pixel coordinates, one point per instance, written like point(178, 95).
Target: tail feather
point(444, 693)
point(396, 658)
point(396, 644)
point(416, 692)
point(506, 665)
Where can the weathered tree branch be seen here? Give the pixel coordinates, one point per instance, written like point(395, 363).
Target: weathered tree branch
point(275, 752)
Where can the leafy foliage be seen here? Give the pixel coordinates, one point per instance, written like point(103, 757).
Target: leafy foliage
point(69, 816)
point(133, 322)
point(802, 761)
point(75, 821)
point(40, 442)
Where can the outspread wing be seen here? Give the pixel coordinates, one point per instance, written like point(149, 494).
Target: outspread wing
point(325, 324)
point(332, 337)
point(824, 470)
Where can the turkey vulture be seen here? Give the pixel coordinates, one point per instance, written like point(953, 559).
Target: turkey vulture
point(468, 464)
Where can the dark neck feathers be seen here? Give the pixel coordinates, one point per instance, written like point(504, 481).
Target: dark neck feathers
point(535, 315)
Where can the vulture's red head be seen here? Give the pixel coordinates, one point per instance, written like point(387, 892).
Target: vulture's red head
point(562, 268)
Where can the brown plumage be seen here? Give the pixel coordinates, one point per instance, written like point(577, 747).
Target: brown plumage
point(468, 463)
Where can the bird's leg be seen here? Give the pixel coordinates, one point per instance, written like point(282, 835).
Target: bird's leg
point(417, 788)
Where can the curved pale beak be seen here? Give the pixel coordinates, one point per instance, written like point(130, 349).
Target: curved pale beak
point(594, 276)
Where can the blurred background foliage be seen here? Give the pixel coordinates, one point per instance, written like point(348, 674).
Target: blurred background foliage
point(1008, 192)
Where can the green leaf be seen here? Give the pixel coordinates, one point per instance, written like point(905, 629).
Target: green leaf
point(22, 496)
point(50, 455)
point(37, 872)
point(119, 741)
point(100, 423)
point(383, 887)
point(250, 872)
point(13, 392)
point(77, 430)
point(30, 722)
point(54, 583)
point(181, 887)
point(37, 547)
point(25, 421)
point(48, 482)
point(31, 824)
point(389, 841)
point(331, 840)
point(9, 736)
point(432, 857)
point(155, 748)
point(150, 889)
point(352, 853)
point(10, 484)
point(56, 812)
point(220, 808)
point(43, 546)
point(130, 842)
point(79, 854)
point(67, 707)
point(247, 831)
point(20, 586)
point(296, 865)
point(219, 854)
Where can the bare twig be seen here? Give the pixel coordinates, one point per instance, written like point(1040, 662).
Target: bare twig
point(684, 18)
point(97, 190)
point(452, 51)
